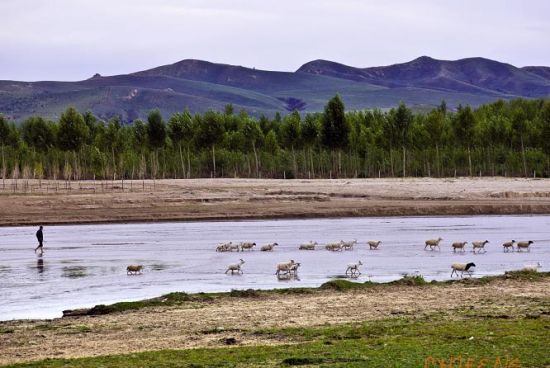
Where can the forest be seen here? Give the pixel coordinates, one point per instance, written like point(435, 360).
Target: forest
point(504, 138)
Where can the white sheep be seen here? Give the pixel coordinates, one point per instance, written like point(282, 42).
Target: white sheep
point(285, 267)
point(236, 267)
point(294, 269)
point(433, 243)
point(233, 247)
point(479, 245)
point(308, 246)
point(532, 267)
point(508, 246)
point(268, 247)
point(223, 247)
point(373, 244)
point(247, 245)
point(463, 267)
point(459, 246)
point(335, 247)
point(353, 269)
point(348, 245)
point(524, 245)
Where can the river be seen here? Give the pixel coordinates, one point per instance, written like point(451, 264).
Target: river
point(85, 265)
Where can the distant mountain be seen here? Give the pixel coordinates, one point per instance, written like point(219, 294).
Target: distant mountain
point(472, 75)
point(200, 85)
point(542, 71)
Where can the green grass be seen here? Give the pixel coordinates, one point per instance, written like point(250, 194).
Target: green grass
point(394, 342)
point(165, 300)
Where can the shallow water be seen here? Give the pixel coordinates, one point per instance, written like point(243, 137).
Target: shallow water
point(85, 265)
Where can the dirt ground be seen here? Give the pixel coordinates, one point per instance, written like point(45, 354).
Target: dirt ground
point(197, 199)
point(207, 324)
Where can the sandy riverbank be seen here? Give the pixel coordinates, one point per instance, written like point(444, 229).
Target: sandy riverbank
point(209, 322)
point(198, 199)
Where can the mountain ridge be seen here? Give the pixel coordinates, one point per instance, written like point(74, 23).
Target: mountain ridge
point(201, 85)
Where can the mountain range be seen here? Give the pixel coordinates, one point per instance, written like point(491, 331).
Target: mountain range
point(200, 85)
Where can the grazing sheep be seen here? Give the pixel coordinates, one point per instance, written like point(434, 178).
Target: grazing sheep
point(463, 267)
point(524, 245)
point(268, 247)
point(335, 247)
point(508, 246)
point(532, 267)
point(285, 267)
point(373, 244)
point(224, 247)
point(432, 243)
point(348, 245)
point(479, 245)
point(134, 269)
point(460, 246)
point(308, 246)
point(353, 269)
point(247, 245)
point(236, 267)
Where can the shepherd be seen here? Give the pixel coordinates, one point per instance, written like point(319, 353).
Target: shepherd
point(40, 238)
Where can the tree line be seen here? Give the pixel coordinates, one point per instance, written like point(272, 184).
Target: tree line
point(506, 138)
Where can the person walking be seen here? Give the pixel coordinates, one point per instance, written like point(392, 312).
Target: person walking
point(40, 237)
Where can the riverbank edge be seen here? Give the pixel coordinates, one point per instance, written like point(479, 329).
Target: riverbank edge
point(439, 208)
point(340, 285)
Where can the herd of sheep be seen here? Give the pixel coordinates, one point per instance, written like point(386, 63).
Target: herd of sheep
point(287, 270)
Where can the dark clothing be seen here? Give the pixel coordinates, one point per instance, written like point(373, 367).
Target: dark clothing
point(40, 236)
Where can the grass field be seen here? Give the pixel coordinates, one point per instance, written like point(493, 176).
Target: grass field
point(511, 331)
point(396, 342)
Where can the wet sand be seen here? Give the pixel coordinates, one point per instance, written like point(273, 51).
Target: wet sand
point(202, 199)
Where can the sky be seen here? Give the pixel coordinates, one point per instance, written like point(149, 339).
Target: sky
point(74, 39)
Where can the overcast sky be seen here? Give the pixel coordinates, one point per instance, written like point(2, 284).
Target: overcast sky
point(73, 39)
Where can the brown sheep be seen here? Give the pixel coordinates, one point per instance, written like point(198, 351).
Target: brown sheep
point(134, 269)
point(373, 244)
point(433, 243)
point(459, 245)
point(524, 245)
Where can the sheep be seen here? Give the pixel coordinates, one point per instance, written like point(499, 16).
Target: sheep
point(231, 247)
point(224, 247)
point(287, 271)
point(335, 247)
point(308, 246)
point(479, 245)
point(532, 267)
point(432, 243)
point(134, 269)
point(236, 267)
point(524, 245)
point(459, 245)
point(348, 245)
point(373, 244)
point(463, 267)
point(294, 269)
point(285, 267)
point(507, 245)
point(247, 245)
point(353, 269)
point(268, 247)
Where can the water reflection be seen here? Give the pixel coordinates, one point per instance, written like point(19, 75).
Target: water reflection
point(74, 272)
point(40, 264)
